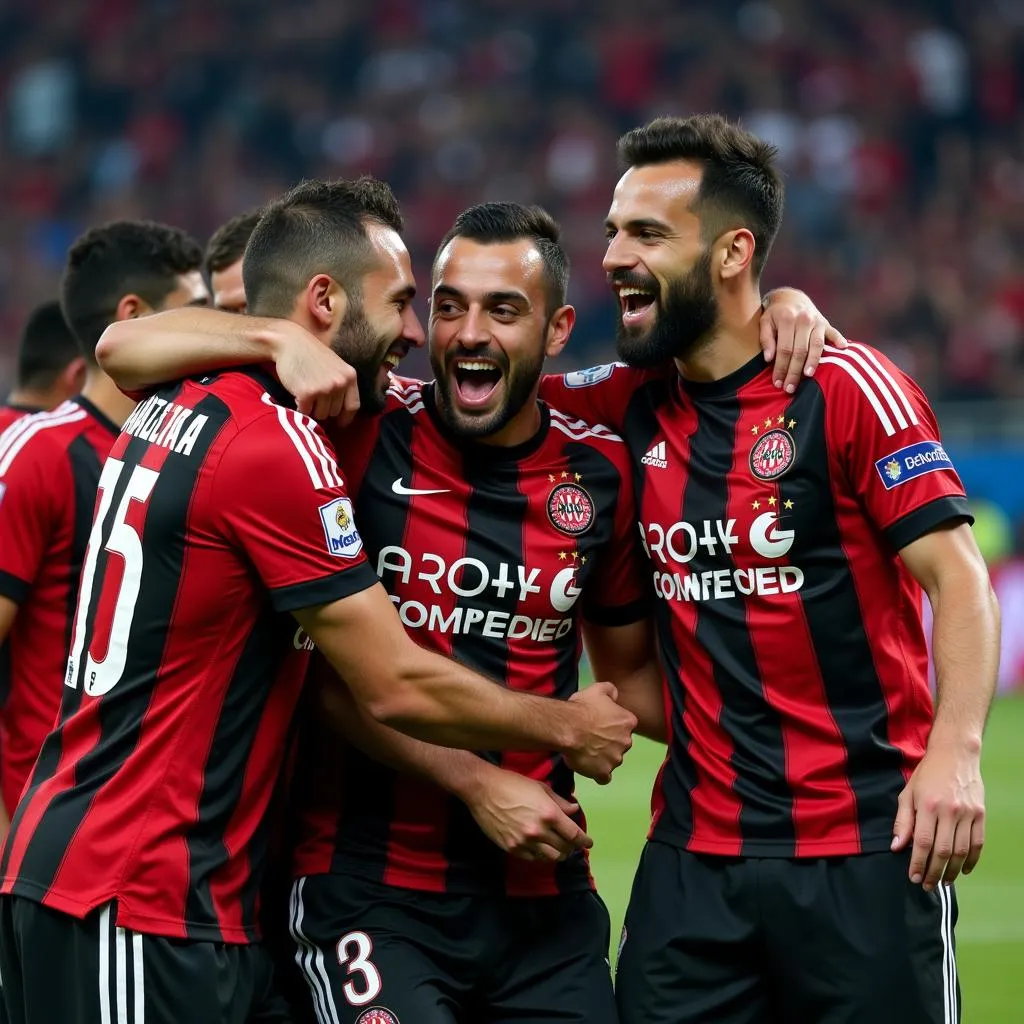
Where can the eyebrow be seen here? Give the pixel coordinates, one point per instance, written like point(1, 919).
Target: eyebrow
point(492, 297)
point(639, 224)
point(408, 292)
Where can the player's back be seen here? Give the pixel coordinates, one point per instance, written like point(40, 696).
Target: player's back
point(49, 470)
point(184, 666)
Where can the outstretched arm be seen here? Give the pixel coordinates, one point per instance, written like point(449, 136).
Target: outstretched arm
point(521, 816)
point(143, 353)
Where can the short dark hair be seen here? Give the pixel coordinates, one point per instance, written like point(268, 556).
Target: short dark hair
point(319, 227)
point(46, 349)
point(125, 257)
point(740, 185)
point(491, 223)
point(228, 242)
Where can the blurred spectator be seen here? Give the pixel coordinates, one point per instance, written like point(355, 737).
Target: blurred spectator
point(899, 125)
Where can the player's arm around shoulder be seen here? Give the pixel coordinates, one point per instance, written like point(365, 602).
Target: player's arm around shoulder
point(599, 394)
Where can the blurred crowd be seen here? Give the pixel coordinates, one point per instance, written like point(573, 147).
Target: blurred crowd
point(899, 126)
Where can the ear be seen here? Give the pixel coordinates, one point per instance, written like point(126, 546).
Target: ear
point(325, 301)
point(736, 252)
point(559, 328)
point(131, 306)
point(72, 377)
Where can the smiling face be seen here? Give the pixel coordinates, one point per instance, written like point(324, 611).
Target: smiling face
point(490, 332)
point(658, 264)
point(380, 326)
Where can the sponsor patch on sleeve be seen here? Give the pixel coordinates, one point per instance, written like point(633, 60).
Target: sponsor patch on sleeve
point(343, 538)
point(593, 375)
point(913, 461)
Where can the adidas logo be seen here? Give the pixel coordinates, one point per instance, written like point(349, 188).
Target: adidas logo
point(656, 457)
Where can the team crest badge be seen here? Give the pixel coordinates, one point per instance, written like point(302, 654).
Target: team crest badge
point(773, 454)
point(377, 1015)
point(571, 509)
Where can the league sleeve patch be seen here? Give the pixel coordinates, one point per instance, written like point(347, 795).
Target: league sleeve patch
point(593, 375)
point(343, 538)
point(913, 461)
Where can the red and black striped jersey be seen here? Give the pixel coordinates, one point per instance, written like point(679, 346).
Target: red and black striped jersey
point(11, 412)
point(789, 629)
point(491, 556)
point(49, 469)
point(219, 511)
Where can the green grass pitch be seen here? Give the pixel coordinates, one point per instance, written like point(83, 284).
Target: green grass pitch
point(990, 935)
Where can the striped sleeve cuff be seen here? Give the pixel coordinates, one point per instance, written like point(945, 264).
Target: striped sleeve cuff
point(916, 524)
point(13, 587)
point(324, 590)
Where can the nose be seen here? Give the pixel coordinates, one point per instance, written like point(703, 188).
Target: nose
point(618, 255)
point(412, 329)
point(473, 331)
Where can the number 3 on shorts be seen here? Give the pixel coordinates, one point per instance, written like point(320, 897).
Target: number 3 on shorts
point(354, 951)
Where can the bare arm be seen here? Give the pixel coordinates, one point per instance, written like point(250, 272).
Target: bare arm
point(434, 699)
point(943, 805)
point(520, 815)
point(143, 353)
point(625, 655)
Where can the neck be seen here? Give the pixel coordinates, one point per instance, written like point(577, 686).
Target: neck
point(519, 429)
point(105, 395)
point(733, 342)
point(34, 398)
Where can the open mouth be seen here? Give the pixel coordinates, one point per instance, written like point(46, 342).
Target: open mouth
point(476, 380)
point(635, 304)
point(392, 359)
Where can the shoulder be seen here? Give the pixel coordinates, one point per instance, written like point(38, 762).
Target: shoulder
point(404, 393)
point(612, 375)
point(595, 436)
point(42, 438)
point(864, 376)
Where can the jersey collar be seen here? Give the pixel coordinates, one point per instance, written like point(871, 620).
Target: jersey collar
point(100, 417)
point(727, 385)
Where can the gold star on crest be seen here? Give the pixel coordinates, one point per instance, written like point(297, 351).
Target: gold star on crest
point(562, 556)
point(787, 503)
point(551, 477)
point(755, 505)
point(583, 560)
point(780, 419)
point(579, 477)
point(773, 501)
point(565, 475)
point(791, 424)
point(768, 421)
point(753, 430)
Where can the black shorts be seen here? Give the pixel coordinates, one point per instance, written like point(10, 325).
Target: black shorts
point(774, 941)
point(88, 971)
point(376, 954)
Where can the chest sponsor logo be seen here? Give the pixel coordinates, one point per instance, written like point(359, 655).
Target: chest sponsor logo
point(571, 509)
point(717, 540)
point(343, 538)
point(414, 581)
point(773, 454)
point(399, 488)
point(912, 461)
point(590, 376)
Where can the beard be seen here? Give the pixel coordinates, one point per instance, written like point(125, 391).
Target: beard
point(364, 350)
point(518, 383)
point(684, 320)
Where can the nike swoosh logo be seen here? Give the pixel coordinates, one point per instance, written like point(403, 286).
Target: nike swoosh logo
point(399, 488)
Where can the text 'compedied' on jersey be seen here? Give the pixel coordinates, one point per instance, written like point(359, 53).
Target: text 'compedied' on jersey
point(789, 629)
point(218, 513)
point(490, 555)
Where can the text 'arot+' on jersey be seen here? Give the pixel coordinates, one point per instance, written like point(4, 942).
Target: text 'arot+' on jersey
point(789, 629)
point(220, 510)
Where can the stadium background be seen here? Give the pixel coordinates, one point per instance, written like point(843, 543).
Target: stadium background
point(900, 129)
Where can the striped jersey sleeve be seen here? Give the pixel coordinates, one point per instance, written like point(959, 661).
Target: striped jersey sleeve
point(887, 440)
point(301, 534)
point(34, 489)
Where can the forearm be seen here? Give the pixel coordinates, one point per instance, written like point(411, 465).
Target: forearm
point(965, 644)
point(148, 351)
point(460, 772)
point(642, 692)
